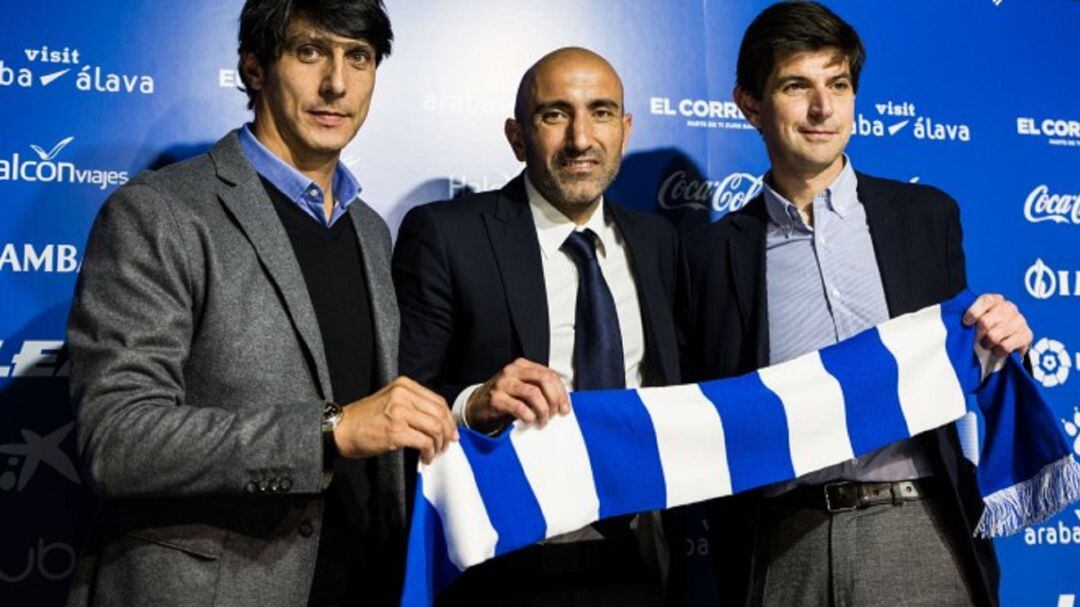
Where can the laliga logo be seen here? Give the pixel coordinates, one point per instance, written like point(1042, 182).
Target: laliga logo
point(1059, 208)
point(730, 194)
point(1043, 282)
point(1051, 362)
point(34, 450)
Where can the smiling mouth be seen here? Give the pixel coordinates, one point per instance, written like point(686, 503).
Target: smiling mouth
point(579, 165)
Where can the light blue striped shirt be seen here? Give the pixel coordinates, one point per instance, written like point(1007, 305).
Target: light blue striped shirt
point(823, 286)
point(305, 193)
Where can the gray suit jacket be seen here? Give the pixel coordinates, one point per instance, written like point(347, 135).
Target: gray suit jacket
point(199, 377)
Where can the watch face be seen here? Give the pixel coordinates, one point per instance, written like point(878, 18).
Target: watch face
point(331, 410)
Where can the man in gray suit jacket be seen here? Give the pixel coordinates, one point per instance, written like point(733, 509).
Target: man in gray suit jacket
point(223, 318)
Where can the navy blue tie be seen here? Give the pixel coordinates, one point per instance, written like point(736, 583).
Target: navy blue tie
point(598, 348)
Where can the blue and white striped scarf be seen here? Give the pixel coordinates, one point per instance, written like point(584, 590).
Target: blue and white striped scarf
point(625, 451)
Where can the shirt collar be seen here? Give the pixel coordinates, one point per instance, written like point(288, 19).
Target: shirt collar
point(840, 196)
point(295, 185)
point(553, 228)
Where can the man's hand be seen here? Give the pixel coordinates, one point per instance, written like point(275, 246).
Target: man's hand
point(999, 326)
point(402, 414)
point(524, 390)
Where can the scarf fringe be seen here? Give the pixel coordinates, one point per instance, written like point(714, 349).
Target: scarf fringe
point(1031, 502)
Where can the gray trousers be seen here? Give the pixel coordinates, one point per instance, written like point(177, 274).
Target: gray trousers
point(887, 554)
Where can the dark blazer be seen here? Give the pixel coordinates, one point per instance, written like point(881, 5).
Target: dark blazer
point(724, 332)
point(199, 377)
point(470, 285)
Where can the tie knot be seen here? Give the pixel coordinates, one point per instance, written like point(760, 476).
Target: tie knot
point(580, 246)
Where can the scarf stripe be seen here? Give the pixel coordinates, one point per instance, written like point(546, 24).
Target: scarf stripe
point(626, 451)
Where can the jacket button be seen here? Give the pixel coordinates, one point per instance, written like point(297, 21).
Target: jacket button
point(251, 487)
point(264, 485)
point(274, 486)
point(286, 484)
point(306, 528)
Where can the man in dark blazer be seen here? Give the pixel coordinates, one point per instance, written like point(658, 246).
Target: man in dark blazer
point(823, 253)
point(502, 315)
point(234, 349)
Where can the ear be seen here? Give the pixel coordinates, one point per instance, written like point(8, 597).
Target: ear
point(628, 125)
point(253, 72)
point(516, 137)
point(750, 107)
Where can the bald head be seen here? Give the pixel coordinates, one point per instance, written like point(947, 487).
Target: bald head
point(567, 60)
point(570, 128)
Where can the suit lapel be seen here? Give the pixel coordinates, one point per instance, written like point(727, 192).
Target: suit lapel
point(384, 311)
point(246, 199)
point(517, 253)
point(889, 233)
point(746, 254)
point(649, 287)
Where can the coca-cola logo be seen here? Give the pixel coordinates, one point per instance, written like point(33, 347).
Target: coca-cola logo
point(1041, 205)
point(680, 191)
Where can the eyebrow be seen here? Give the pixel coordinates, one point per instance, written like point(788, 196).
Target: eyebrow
point(560, 104)
point(796, 78)
point(322, 40)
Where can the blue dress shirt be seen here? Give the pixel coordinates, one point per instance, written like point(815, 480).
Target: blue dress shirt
point(823, 285)
point(307, 194)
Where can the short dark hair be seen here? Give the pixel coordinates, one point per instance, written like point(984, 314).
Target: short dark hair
point(263, 24)
point(793, 27)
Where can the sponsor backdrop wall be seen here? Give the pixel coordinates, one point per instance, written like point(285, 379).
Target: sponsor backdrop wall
point(976, 97)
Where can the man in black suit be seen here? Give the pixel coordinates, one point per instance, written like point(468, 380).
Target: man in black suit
point(510, 298)
point(823, 253)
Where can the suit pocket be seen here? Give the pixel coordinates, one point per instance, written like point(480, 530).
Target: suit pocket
point(168, 565)
point(202, 541)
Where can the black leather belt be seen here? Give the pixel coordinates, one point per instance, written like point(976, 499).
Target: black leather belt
point(844, 495)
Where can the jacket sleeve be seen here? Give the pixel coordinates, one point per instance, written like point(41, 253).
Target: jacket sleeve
point(954, 252)
point(424, 287)
point(130, 331)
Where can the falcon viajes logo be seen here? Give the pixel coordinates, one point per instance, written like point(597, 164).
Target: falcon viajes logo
point(43, 167)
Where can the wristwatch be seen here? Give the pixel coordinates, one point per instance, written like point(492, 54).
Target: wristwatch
point(331, 417)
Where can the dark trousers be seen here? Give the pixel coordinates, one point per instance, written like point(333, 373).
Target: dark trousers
point(592, 573)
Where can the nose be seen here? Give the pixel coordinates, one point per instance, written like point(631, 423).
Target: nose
point(333, 81)
point(579, 135)
point(821, 104)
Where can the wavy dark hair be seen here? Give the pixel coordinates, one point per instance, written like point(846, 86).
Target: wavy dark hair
point(263, 24)
point(787, 28)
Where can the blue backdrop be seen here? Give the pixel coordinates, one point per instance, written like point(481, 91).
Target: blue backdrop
point(976, 97)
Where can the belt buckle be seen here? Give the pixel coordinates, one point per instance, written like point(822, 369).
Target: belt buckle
point(829, 499)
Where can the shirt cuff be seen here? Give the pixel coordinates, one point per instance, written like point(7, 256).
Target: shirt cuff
point(458, 409)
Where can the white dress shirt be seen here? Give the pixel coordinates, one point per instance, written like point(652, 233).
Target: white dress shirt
point(561, 287)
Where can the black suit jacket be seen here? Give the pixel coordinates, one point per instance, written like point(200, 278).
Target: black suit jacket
point(724, 332)
point(470, 286)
